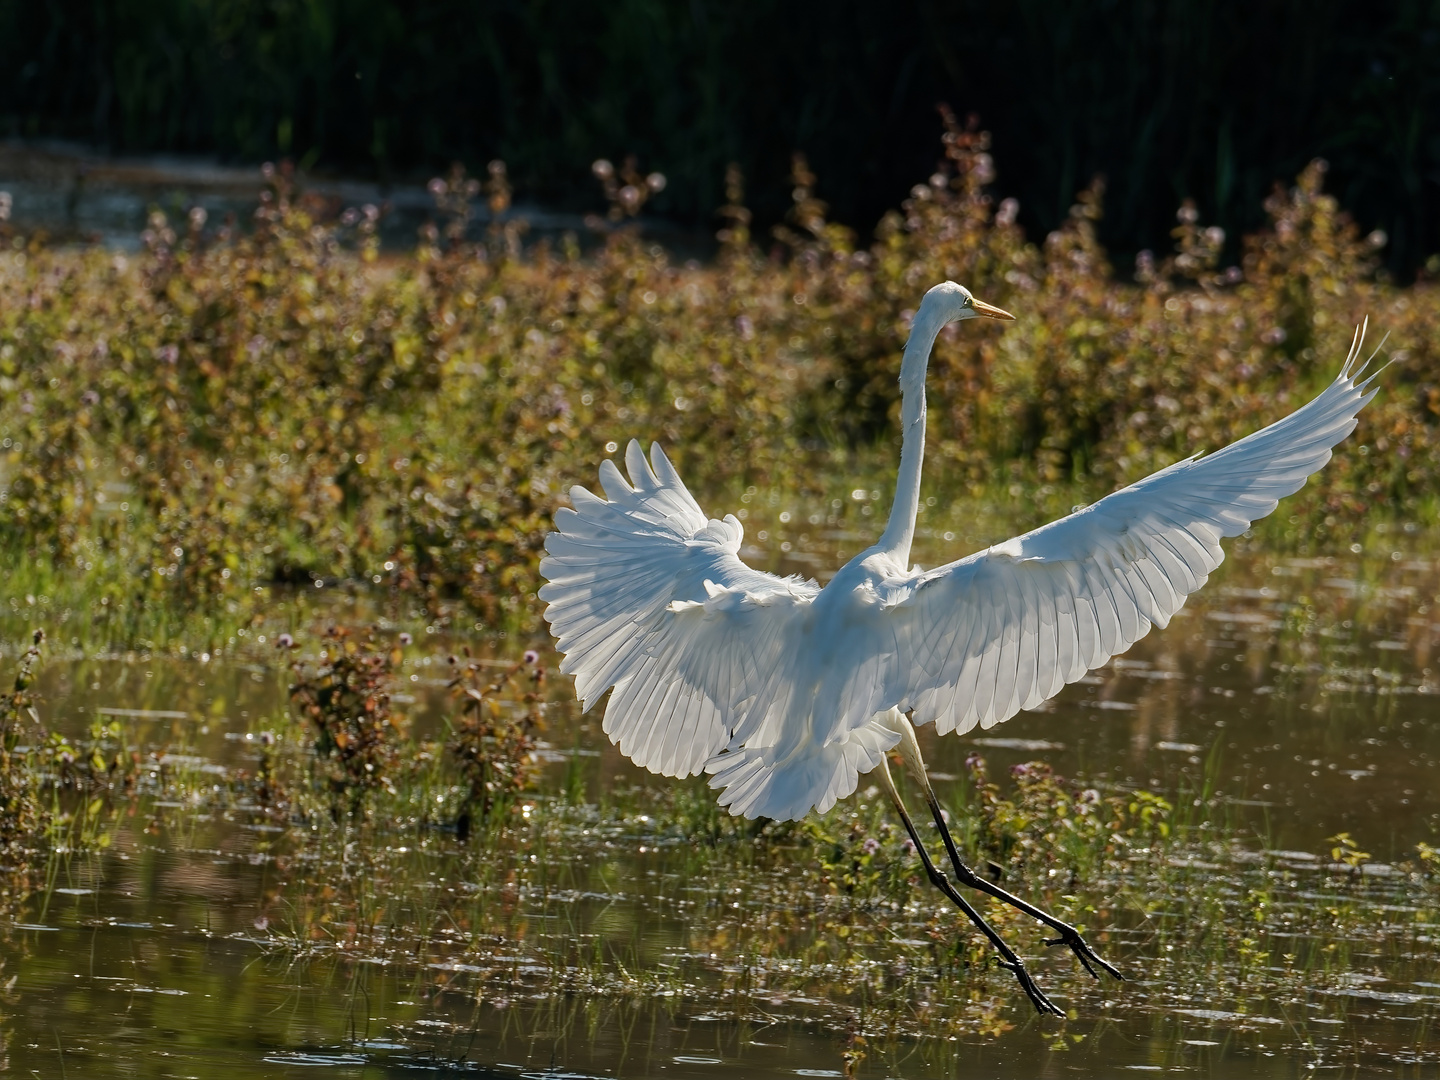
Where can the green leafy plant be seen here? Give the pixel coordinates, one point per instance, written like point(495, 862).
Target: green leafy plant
point(1049, 820)
point(1346, 851)
point(345, 696)
point(492, 740)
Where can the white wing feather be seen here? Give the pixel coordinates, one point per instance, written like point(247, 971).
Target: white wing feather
point(716, 666)
point(979, 640)
point(647, 595)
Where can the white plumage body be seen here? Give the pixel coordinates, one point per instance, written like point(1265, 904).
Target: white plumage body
point(784, 692)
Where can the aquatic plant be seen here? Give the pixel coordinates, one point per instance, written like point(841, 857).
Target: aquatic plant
point(99, 762)
point(344, 694)
point(1051, 821)
point(491, 739)
point(19, 724)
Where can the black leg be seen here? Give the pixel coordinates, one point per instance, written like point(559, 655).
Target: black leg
point(1069, 936)
point(1008, 958)
point(909, 750)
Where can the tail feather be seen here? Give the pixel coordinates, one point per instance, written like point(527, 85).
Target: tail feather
point(756, 782)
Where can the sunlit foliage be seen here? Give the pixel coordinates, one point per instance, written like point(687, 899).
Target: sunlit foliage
point(236, 407)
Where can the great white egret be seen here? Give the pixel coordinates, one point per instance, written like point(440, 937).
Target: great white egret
point(786, 693)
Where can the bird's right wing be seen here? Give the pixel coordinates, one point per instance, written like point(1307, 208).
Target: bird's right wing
point(1003, 630)
point(648, 596)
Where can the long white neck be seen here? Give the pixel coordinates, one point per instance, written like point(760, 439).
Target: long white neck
point(900, 529)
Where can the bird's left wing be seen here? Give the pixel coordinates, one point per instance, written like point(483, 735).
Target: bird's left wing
point(647, 595)
point(979, 640)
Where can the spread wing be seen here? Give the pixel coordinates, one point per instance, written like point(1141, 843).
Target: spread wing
point(1003, 630)
point(648, 596)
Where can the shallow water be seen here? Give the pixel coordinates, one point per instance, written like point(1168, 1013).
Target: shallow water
point(1298, 689)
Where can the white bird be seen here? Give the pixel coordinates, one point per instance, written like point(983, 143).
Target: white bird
point(786, 693)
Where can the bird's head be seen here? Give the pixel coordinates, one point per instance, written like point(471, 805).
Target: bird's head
point(949, 302)
point(942, 305)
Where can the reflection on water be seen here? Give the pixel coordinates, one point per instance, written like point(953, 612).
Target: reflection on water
point(1295, 697)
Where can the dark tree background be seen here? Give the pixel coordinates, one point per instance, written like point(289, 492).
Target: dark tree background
point(1168, 99)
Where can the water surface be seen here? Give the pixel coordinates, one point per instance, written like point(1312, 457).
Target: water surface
point(1294, 700)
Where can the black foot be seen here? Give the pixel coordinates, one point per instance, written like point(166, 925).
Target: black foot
point(1070, 937)
point(1043, 1004)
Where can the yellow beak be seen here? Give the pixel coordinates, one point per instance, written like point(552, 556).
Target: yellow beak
point(990, 311)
